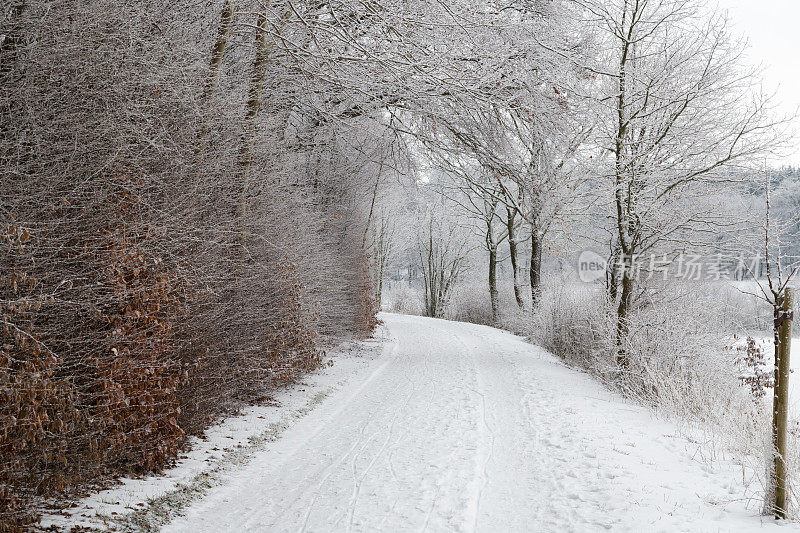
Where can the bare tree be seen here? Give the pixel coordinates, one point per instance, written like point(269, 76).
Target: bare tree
point(535, 167)
point(678, 110)
point(478, 199)
point(442, 255)
point(385, 233)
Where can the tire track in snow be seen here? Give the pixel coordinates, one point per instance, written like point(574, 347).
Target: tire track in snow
point(391, 353)
point(357, 488)
point(485, 434)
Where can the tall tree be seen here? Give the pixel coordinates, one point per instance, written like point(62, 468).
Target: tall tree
point(678, 109)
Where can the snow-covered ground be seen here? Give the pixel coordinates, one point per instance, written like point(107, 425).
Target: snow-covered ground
point(457, 427)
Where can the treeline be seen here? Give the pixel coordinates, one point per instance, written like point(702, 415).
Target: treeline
point(181, 229)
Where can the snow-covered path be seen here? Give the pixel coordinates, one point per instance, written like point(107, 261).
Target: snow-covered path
point(466, 428)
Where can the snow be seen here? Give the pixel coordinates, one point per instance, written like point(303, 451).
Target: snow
point(224, 446)
point(459, 427)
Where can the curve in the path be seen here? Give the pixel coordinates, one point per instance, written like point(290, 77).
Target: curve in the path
point(468, 428)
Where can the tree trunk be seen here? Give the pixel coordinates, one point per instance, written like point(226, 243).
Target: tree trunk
point(372, 206)
point(253, 106)
point(512, 250)
point(628, 285)
point(379, 293)
point(210, 88)
point(623, 204)
point(612, 275)
point(784, 311)
point(429, 274)
point(535, 269)
point(494, 295)
point(383, 252)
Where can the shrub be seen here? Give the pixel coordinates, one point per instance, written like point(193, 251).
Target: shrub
point(470, 303)
point(402, 297)
point(572, 321)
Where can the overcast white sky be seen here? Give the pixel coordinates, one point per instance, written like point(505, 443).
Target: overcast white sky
point(772, 28)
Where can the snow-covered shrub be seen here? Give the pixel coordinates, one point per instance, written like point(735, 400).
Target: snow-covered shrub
point(679, 362)
point(404, 298)
point(470, 303)
point(571, 321)
point(676, 343)
point(519, 321)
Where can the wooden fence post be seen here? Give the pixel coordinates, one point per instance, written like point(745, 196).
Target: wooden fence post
point(783, 325)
